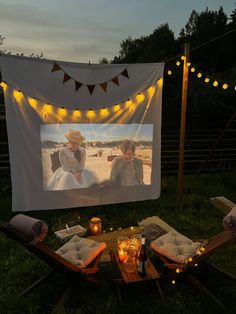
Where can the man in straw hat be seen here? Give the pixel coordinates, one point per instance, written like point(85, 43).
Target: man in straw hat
point(72, 174)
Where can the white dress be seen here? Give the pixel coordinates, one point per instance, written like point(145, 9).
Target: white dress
point(64, 177)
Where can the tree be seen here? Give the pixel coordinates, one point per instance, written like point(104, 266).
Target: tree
point(156, 47)
point(201, 28)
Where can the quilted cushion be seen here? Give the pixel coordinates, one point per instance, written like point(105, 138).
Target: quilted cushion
point(80, 251)
point(175, 246)
point(229, 221)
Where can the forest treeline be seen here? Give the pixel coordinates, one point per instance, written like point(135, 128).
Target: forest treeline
point(212, 38)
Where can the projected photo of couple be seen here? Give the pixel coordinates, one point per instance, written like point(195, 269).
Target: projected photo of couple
point(77, 156)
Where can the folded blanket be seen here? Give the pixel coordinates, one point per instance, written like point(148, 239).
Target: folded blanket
point(35, 230)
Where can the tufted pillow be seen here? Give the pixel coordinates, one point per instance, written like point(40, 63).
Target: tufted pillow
point(34, 229)
point(80, 251)
point(175, 246)
point(229, 221)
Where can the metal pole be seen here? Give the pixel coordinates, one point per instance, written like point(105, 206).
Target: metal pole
point(180, 188)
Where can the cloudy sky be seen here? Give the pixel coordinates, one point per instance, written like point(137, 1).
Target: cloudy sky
point(83, 30)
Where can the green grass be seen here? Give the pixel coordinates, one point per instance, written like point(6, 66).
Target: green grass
point(194, 216)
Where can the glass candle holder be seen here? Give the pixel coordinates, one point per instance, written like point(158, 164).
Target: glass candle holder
point(122, 248)
point(95, 225)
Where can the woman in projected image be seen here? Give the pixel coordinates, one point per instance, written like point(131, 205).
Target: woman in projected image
point(72, 174)
point(127, 170)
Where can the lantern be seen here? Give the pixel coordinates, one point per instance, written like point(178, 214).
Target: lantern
point(95, 225)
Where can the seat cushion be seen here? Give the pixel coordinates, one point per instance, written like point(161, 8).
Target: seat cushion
point(81, 251)
point(229, 221)
point(175, 246)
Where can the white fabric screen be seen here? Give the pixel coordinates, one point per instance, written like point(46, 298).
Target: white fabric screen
point(53, 105)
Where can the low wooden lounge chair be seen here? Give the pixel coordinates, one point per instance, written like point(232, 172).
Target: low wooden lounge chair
point(205, 250)
point(55, 261)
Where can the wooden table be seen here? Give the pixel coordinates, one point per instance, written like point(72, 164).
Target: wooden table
point(134, 277)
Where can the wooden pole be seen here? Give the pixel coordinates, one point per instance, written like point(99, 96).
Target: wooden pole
point(180, 188)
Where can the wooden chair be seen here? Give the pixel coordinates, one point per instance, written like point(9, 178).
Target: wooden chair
point(208, 248)
point(55, 261)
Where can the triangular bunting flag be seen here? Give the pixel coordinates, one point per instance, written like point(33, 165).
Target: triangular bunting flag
point(125, 73)
point(91, 88)
point(66, 78)
point(55, 67)
point(104, 86)
point(115, 81)
point(77, 85)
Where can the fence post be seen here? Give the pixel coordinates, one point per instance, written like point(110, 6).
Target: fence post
point(180, 188)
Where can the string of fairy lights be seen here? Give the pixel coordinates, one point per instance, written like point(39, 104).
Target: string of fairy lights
point(45, 109)
point(207, 79)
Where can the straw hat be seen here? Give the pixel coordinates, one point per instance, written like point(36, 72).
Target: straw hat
point(74, 136)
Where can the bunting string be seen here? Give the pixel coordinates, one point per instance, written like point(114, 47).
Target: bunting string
point(66, 77)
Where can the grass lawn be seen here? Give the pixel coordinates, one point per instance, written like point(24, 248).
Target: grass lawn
point(194, 216)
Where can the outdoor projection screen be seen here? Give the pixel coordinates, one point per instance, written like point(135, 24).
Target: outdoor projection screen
point(82, 134)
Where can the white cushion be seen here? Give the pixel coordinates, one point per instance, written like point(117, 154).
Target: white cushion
point(175, 246)
point(80, 251)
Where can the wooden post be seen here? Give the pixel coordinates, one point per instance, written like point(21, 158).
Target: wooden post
point(180, 188)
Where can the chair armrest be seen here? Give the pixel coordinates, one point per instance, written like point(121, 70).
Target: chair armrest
point(89, 271)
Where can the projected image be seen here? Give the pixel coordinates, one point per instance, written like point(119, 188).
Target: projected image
point(77, 156)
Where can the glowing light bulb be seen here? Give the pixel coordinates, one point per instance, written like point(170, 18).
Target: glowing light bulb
point(128, 103)
point(47, 108)
point(32, 101)
point(207, 80)
point(225, 86)
point(160, 82)
point(173, 282)
point(91, 114)
point(169, 72)
point(177, 63)
point(190, 259)
point(17, 95)
point(151, 91)
point(76, 113)
point(182, 57)
point(193, 70)
point(116, 108)
point(199, 75)
point(188, 64)
point(177, 270)
point(104, 112)
point(215, 83)
point(62, 111)
point(140, 98)
point(3, 84)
